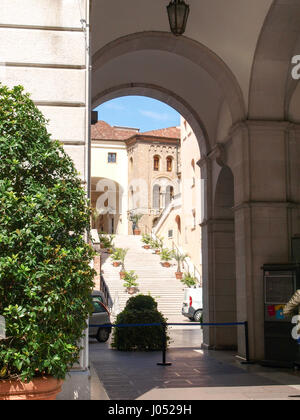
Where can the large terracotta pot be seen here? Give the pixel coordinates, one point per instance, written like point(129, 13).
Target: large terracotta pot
point(42, 388)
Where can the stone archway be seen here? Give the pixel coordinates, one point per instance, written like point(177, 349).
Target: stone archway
point(137, 55)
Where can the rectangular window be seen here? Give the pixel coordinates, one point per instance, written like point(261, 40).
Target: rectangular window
point(112, 158)
point(170, 234)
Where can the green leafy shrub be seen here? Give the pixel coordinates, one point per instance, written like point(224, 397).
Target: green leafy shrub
point(117, 254)
point(166, 255)
point(107, 241)
point(146, 239)
point(189, 280)
point(141, 302)
point(130, 279)
point(140, 309)
point(45, 276)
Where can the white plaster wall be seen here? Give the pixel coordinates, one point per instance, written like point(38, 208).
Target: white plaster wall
point(50, 47)
point(66, 124)
point(49, 85)
point(49, 13)
point(43, 48)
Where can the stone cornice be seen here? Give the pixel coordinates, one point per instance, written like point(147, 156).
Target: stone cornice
point(274, 204)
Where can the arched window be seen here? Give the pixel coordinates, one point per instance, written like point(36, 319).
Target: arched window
point(156, 161)
point(178, 221)
point(169, 164)
point(156, 197)
point(169, 194)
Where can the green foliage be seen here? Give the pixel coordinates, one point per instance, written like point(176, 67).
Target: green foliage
point(180, 258)
point(189, 280)
point(135, 218)
point(141, 302)
point(45, 276)
point(166, 254)
point(130, 279)
point(146, 239)
point(140, 338)
point(122, 255)
point(117, 254)
point(107, 240)
point(156, 243)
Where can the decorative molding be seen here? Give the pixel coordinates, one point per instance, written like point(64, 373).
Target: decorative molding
point(276, 204)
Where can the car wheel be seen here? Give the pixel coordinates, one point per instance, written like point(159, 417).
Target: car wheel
point(102, 335)
point(198, 316)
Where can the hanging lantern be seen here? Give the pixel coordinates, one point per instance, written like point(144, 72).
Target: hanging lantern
point(178, 12)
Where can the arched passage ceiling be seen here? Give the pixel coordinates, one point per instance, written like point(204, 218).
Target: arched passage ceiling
point(221, 65)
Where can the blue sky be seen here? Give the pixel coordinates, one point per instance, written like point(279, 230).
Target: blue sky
point(138, 112)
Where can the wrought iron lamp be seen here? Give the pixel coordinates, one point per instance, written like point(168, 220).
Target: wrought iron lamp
point(178, 12)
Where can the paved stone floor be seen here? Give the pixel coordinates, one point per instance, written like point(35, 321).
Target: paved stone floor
point(195, 374)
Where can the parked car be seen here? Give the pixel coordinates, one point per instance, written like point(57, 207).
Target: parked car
point(192, 306)
point(100, 316)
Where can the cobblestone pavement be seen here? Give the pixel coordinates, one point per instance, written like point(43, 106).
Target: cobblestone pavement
point(195, 374)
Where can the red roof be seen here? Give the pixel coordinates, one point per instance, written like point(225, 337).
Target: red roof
point(171, 132)
point(103, 131)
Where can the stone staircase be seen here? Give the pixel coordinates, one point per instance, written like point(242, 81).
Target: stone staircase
point(153, 278)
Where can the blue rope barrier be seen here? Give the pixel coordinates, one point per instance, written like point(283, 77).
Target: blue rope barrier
point(195, 324)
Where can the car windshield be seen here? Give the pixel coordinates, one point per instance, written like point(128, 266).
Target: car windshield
point(98, 304)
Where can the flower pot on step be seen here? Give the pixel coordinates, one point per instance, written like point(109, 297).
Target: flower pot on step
point(157, 251)
point(179, 275)
point(166, 264)
point(136, 232)
point(122, 274)
point(41, 388)
point(146, 246)
point(116, 264)
point(131, 290)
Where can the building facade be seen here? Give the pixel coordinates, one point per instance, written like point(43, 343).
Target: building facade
point(180, 222)
point(132, 173)
point(153, 167)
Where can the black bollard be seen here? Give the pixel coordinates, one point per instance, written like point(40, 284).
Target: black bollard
point(164, 341)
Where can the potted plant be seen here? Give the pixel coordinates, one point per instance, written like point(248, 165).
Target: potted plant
point(180, 258)
point(122, 256)
point(146, 239)
point(107, 242)
point(135, 218)
point(166, 256)
point(45, 274)
point(189, 280)
point(130, 283)
point(159, 245)
point(116, 257)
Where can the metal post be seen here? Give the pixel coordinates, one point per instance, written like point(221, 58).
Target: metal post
point(164, 341)
point(248, 361)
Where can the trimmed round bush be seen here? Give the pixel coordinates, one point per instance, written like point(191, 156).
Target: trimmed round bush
point(140, 309)
point(141, 303)
point(45, 276)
